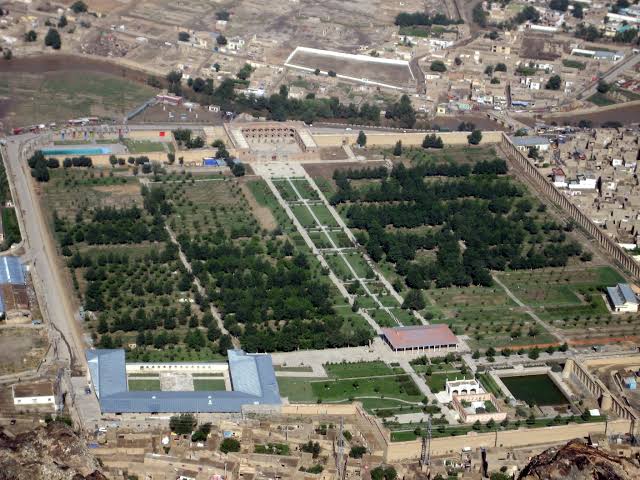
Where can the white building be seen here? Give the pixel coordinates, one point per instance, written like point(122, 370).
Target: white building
point(41, 395)
point(584, 182)
point(622, 298)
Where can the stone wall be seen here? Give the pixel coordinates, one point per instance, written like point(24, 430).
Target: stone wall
point(398, 451)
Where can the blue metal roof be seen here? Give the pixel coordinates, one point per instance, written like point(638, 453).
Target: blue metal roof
point(622, 294)
point(252, 376)
point(529, 141)
point(11, 271)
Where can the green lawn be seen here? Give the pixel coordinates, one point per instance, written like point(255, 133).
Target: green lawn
point(286, 190)
point(359, 264)
point(208, 384)
point(360, 369)
point(136, 385)
point(400, 386)
point(324, 216)
point(297, 389)
point(303, 215)
point(143, 146)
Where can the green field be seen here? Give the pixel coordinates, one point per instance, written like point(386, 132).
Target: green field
point(360, 369)
point(143, 146)
point(68, 94)
point(324, 216)
point(437, 381)
point(399, 387)
point(136, 385)
point(208, 384)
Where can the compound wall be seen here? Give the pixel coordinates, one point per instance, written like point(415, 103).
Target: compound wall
point(389, 139)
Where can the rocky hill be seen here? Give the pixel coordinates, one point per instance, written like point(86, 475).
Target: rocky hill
point(53, 452)
point(577, 461)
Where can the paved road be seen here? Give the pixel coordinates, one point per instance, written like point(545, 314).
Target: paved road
point(55, 304)
point(609, 76)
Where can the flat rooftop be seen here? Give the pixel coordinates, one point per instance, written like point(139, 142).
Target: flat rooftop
point(419, 336)
point(42, 389)
point(252, 376)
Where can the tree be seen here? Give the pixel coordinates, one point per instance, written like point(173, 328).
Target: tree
point(488, 70)
point(245, 72)
point(438, 66)
point(534, 353)
point(554, 83)
point(357, 451)
point(414, 300)
point(221, 40)
point(316, 71)
point(52, 39)
point(479, 15)
point(331, 73)
point(7, 54)
point(578, 11)
point(229, 445)
point(222, 15)
point(603, 87)
point(626, 36)
point(182, 424)
point(500, 67)
point(475, 137)
point(62, 22)
point(362, 139)
point(534, 152)
point(559, 5)
point(311, 447)
point(432, 141)
point(397, 150)
point(184, 36)
point(30, 36)
point(79, 7)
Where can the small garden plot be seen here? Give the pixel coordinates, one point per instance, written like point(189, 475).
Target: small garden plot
point(339, 267)
point(286, 190)
point(470, 297)
point(365, 301)
point(383, 318)
point(340, 239)
point(535, 389)
point(320, 240)
point(305, 190)
point(208, 384)
point(360, 265)
point(324, 216)
point(138, 385)
point(400, 386)
point(405, 316)
point(303, 215)
point(359, 369)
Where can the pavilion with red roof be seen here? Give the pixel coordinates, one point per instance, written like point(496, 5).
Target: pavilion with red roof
point(421, 338)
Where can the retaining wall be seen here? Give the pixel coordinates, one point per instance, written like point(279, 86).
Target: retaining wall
point(389, 139)
point(398, 451)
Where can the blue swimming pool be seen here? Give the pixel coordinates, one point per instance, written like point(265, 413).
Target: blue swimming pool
point(52, 152)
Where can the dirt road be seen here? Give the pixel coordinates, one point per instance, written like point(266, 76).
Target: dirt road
point(56, 304)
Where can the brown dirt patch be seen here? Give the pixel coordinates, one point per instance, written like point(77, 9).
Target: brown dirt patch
point(21, 349)
point(126, 189)
point(263, 214)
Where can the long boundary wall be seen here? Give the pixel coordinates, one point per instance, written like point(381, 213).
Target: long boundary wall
point(397, 451)
point(610, 246)
point(599, 390)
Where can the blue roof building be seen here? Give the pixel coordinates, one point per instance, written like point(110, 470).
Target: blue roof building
point(622, 298)
point(252, 376)
point(12, 271)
